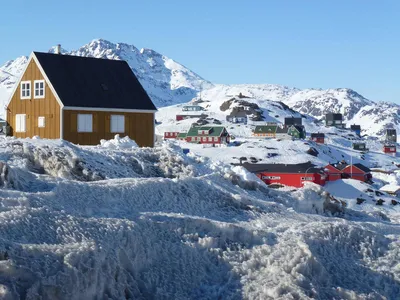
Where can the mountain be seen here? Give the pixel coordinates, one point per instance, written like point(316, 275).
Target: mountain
point(166, 81)
point(169, 82)
point(373, 117)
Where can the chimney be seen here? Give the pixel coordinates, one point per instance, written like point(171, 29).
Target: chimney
point(58, 49)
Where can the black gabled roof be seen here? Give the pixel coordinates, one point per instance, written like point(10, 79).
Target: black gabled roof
point(362, 167)
point(317, 135)
point(293, 121)
point(283, 168)
point(93, 82)
point(334, 117)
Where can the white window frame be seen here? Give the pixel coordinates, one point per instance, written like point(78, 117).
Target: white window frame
point(41, 122)
point(216, 139)
point(119, 127)
point(307, 178)
point(23, 83)
point(85, 122)
point(18, 124)
point(34, 89)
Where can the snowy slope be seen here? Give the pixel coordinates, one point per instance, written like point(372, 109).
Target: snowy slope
point(122, 222)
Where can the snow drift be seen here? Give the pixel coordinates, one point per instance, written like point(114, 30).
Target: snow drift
point(139, 223)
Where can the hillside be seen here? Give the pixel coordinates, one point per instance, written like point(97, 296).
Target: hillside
point(119, 221)
point(169, 83)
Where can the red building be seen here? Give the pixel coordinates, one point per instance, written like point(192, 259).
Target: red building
point(189, 115)
point(342, 170)
point(318, 138)
point(170, 135)
point(291, 175)
point(389, 149)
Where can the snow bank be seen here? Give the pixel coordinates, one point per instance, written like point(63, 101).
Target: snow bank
point(119, 223)
point(119, 143)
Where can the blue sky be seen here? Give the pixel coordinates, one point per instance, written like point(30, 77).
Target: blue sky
point(303, 44)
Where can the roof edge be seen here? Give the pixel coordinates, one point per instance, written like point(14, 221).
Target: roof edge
point(109, 109)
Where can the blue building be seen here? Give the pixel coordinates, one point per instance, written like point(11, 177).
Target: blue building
point(356, 129)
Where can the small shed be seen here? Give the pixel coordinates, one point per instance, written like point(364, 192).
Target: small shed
point(360, 147)
point(389, 149)
point(356, 129)
point(318, 137)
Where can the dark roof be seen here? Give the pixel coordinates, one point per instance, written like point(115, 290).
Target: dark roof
point(355, 127)
point(283, 168)
point(293, 121)
point(362, 167)
point(93, 82)
point(334, 117)
point(299, 128)
point(317, 135)
point(282, 129)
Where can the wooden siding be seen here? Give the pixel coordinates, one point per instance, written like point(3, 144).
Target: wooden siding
point(138, 126)
point(34, 108)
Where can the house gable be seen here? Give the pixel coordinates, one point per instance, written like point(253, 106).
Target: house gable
point(48, 106)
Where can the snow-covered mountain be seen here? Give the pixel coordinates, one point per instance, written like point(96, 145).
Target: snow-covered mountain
point(166, 81)
point(169, 82)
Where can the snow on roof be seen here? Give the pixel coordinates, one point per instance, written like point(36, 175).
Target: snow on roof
point(390, 188)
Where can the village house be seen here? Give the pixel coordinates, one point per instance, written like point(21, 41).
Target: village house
point(356, 129)
point(171, 134)
point(192, 108)
point(318, 137)
point(360, 146)
point(342, 170)
point(237, 117)
point(292, 132)
point(292, 121)
point(288, 174)
point(334, 119)
point(390, 136)
point(189, 115)
point(206, 135)
point(81, 100)
point(268, 130)
point(390, 149)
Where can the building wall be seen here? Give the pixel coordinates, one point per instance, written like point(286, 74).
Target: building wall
point(34, 108)
point(294, 180)
point(319, 140)
point(138, 126)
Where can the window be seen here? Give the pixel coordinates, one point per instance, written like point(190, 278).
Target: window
point(215, 139)
point(117, 123)
point(306, 178)
point(271, 177)
point(25, 89)
point(20, 123)
point(85, 123)
point(210, 139)
point(39, 89)
point(41, 122)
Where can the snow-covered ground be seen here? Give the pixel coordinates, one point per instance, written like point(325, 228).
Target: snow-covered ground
point(116, 221)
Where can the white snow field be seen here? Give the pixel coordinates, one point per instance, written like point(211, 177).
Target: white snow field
point(116, 221)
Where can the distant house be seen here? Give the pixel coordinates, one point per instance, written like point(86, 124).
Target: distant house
point(293, 121)
point(237, 117)
point(390, 136)
point(342, 170)
point(206, 135)
point(265, 130)
point(391, 189)
point(333, 119)
point(3, 127)
point(80, 99)
point(360, 147)
point(288, 174)
point(390, 149)
point(192, 108)
point(189, 115)
point(297, 132)
point(356, 129)
point(171, 134)
point(318, 137)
